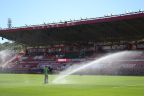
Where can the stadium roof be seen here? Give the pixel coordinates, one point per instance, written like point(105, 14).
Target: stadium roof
point(125, 27)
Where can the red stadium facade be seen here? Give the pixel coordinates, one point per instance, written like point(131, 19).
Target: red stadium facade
point(62, 44)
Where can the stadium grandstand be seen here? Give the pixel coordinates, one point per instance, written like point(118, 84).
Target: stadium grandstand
point(59, 45)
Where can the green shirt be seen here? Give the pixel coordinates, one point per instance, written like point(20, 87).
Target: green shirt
point(45, 70)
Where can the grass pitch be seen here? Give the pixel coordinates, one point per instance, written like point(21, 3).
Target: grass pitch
point(32, 85)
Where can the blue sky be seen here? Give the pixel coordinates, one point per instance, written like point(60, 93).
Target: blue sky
point(39, 11)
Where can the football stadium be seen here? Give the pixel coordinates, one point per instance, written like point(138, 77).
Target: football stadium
point(100, 56)
point(63, 44)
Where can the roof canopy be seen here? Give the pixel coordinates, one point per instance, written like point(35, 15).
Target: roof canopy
point(125, 27)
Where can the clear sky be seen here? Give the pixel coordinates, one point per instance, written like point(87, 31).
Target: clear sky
point(39, 11)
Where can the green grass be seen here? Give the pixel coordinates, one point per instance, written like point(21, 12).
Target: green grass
point(32, 85)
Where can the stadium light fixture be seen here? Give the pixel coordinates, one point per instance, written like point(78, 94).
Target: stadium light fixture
point(140, 10)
